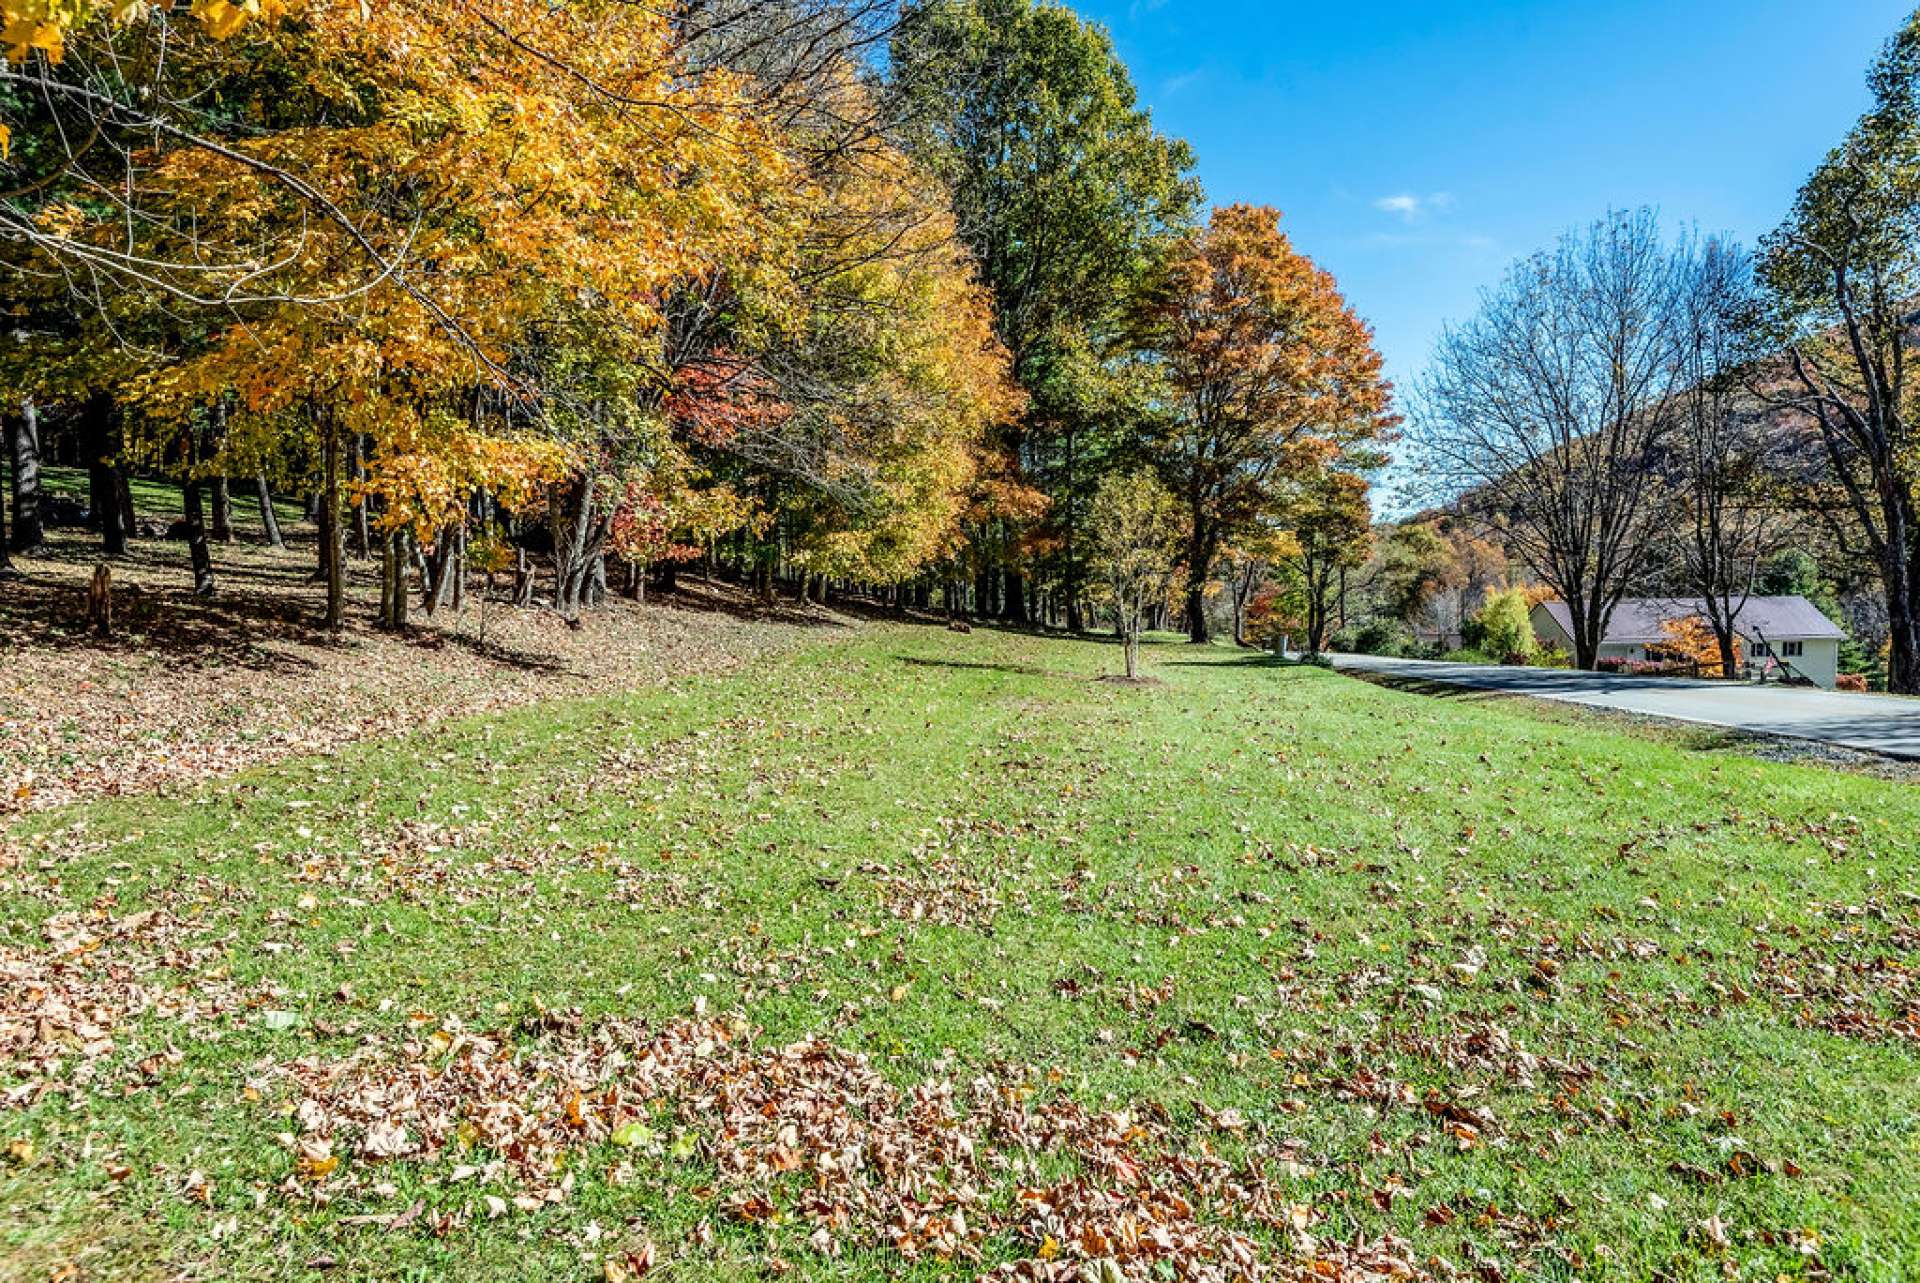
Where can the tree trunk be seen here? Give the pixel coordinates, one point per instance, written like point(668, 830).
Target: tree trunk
point(597, 580)
point(576, 547)
point(23, 446)
point(1242, 592)
point(1317, 616)
point(123, 494)
point(6, 561)
point(269, 521)
point(444, 579)
point(522, 578)
point(1201, 547)
point(103, 481)
point(458, 598)
point(332, 537)
point(388, 577)
point(1197, 631)
point(222, 510)
point(1586, 643)
point(100, 602)
point(195, 511)
point(395, 554)
point(1728, 663)
point(1132, 648)
point(103, 501)
point(1901, 571)
point(1014, 608)
point(362, 527)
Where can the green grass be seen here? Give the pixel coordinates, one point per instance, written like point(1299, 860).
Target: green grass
point(1316, 879)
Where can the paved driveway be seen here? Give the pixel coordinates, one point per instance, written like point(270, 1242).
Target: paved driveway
point(1871, 723)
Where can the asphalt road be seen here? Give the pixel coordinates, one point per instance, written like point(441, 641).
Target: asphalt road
point(1871, 723)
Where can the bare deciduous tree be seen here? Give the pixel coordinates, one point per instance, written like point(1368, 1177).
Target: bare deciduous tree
point(1547, 413)
point(1729, 520)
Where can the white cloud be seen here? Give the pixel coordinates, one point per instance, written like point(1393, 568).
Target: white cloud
point(1411, 208)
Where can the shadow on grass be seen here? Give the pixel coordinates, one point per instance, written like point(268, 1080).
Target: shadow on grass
point(1022, 670)
point(1436, 690)
point(1235, 661)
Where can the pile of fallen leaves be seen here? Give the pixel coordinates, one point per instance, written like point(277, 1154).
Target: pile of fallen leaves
point(62, 1006)
point(813, 1135)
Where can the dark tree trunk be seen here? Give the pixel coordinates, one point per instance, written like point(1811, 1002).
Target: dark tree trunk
point(195, 511)
point(269, 521)
point(1197, 631)
point(1587, 632)
point(1014, 608)
point(1901, 571)
point(1202, 546)
point(23, 449)
point(103, 502)
point(103, 479)
point(332, 537)
point(222, 510)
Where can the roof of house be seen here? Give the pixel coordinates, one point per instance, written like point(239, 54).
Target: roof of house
point(1640, 620)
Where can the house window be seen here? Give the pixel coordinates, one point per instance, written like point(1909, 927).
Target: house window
point(1790, 650)
point(1760, 650)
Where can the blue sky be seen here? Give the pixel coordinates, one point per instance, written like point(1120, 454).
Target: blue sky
point(1417, 146)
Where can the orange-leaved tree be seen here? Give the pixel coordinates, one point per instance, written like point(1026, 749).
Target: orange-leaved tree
point(1269, 377)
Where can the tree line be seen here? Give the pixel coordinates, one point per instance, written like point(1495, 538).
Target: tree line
point(818, 291)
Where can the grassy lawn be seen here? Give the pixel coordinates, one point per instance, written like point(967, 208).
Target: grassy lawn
point(914, 952)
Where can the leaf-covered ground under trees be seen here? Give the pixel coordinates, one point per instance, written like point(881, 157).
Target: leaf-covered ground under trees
point(906, 954)
point(191, 687)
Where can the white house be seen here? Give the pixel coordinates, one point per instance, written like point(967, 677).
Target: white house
point(1790, 631)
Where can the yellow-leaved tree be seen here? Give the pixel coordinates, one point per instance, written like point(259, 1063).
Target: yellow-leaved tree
point(443, 257)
